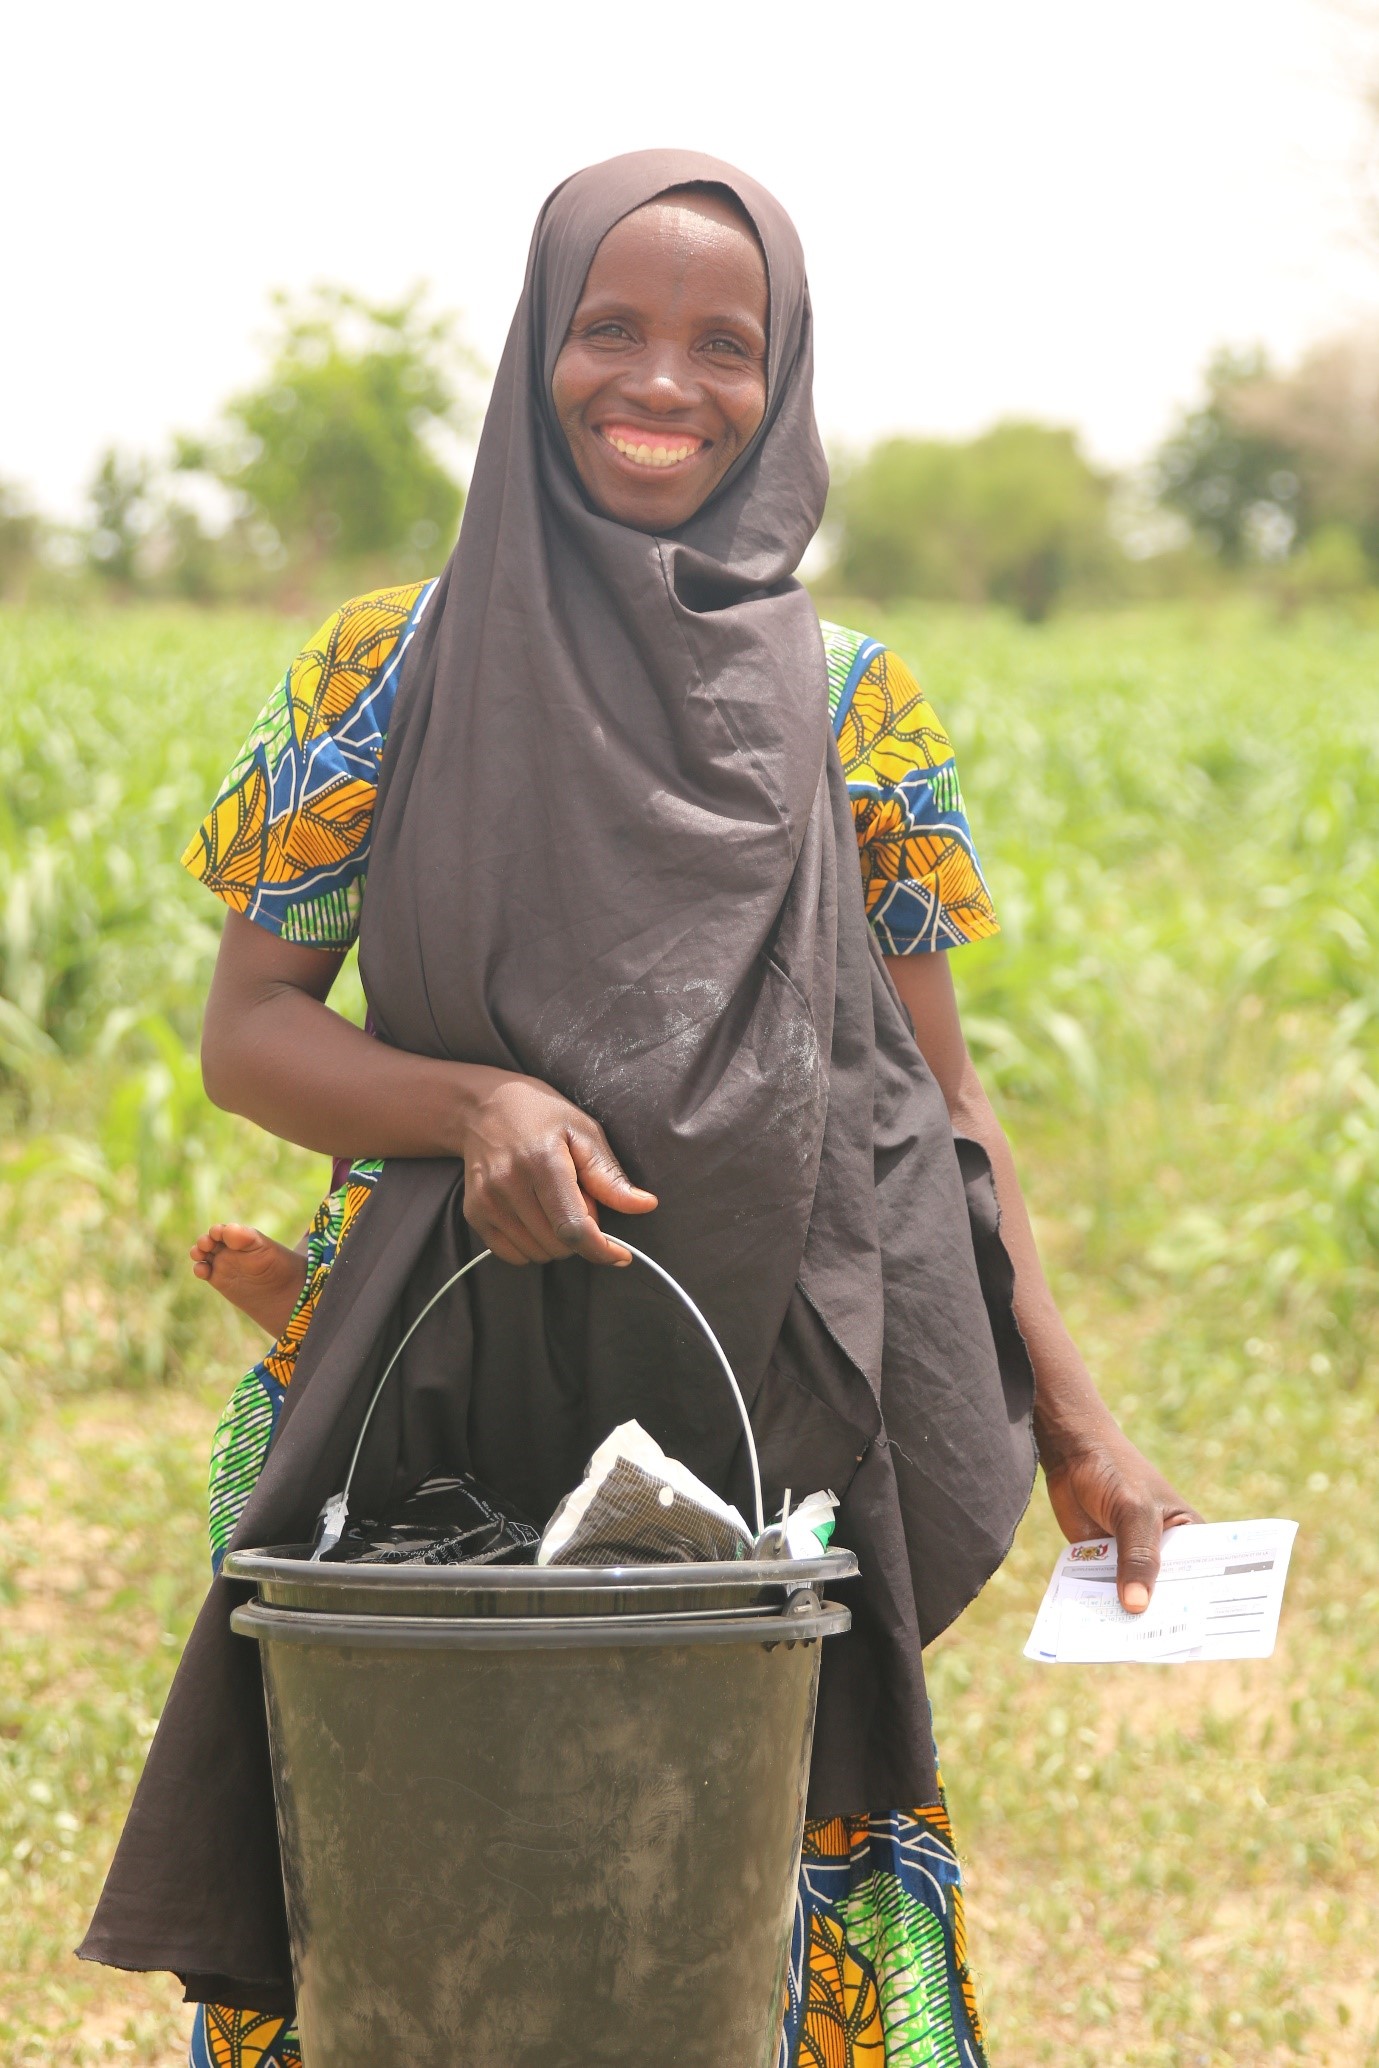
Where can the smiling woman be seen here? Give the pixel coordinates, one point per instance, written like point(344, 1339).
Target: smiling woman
point(663, 989)
point(663, 369)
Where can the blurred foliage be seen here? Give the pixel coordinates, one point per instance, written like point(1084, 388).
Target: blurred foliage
point(1180, 820)
point(90, 1629)
point(1273, 480)
point(1016, 516)
point(1236, 487)
point(122, 514)
point(338, 469)
point(1179, 816)
point(111, 1152)
point(340, 448)
point(1178, 811)
point(1276, 464)
point(143, 541)
point(21, 534)
point(1188, 882)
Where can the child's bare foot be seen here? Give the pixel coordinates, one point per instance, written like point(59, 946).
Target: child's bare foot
point(261, 1277)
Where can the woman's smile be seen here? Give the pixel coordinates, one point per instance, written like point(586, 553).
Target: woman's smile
point(653, 448)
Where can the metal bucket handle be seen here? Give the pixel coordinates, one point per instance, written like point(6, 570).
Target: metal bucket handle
point(335, 1514)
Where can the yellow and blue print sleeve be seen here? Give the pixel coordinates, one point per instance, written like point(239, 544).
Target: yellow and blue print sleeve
point(287, 840)
point(922, 880)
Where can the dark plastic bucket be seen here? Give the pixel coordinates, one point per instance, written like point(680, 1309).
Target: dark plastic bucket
point(540, 1818)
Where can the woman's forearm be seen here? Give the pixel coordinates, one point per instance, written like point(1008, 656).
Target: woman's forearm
point(1068, 1406)
point(307, 1075)
point(1069, 1410)
point(1097, 1481)
point(273, 1050)
point(536, 1168)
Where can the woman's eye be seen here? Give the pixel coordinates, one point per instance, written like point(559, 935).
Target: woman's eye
point(608, 329)
point(727, 344)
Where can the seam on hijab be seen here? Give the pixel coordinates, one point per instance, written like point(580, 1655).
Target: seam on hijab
point(873, 1390)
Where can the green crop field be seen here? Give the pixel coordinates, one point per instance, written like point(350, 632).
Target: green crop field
point(1179, 816)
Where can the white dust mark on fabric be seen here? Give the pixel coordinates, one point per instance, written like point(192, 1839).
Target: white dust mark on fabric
point(601, 1053)
point(605, 1056)
point(798, 1075)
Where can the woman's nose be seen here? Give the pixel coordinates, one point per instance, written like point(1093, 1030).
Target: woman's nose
point(662, 380)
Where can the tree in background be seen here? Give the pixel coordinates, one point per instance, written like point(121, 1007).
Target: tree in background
point(1279, 466)
point(1236, 488)
point(145, 538)
point(122, 514)
point(341, 450)
point(21, 533)
point(1017, 516)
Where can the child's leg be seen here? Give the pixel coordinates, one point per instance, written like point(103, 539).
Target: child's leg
point(261, 1277)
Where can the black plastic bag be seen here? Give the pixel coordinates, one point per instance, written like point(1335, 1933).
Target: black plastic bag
point(446, 1520)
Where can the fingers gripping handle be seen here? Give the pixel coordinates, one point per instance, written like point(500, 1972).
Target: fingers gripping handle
point(335, 1515)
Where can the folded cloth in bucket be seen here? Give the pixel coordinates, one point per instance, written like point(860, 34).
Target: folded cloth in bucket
point(636, 1506)
point(446, 1520)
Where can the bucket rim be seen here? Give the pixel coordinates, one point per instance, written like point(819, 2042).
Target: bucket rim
point(293, 1563)
point(534, 1633)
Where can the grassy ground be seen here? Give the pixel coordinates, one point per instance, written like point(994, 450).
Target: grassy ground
point(1180, 821)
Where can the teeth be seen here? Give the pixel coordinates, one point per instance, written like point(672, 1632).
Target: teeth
point(652, 456)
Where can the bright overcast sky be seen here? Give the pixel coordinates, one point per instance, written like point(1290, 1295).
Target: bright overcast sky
point(1055, 207)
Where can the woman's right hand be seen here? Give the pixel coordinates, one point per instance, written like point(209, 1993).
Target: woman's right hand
point(536, 1168)
point(536, 1171)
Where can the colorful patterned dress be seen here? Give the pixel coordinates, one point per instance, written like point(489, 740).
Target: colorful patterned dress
point(878, 1967)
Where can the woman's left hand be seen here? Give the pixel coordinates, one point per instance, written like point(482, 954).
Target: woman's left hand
point(1101, 1486)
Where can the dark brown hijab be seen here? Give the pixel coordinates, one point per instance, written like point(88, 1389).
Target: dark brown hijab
point(613, 849)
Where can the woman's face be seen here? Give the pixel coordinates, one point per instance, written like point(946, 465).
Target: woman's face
point(661, 380)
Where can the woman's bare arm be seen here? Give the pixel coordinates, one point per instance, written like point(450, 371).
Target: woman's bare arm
point(272, 1049)
point(1098, 1481)
point(536, 1168)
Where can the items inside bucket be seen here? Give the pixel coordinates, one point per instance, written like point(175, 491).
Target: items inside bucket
point(634, 1506)
point(449, 1519)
